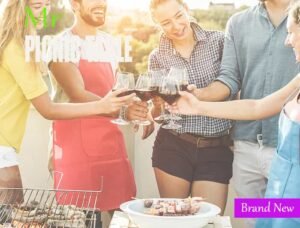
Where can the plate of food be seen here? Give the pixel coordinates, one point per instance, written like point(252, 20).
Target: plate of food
point(170, 212)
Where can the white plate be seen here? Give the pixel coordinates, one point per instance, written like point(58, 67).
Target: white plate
point(135, 210)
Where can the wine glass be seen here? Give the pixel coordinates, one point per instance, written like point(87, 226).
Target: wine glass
point(124, 81)
point(181, 74)
point(157, 79)
point(169, 92)
point(144, 91)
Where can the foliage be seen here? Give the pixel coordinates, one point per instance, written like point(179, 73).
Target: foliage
point(138, 24)
point(213, 19)
point(66, 20)
point(140, 53)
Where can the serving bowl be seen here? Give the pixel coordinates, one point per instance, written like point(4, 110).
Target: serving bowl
point(137, 213)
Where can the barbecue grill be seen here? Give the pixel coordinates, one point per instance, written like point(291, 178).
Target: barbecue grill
point(43, 208)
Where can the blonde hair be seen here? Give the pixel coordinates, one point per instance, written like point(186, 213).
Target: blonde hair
point(294, 12)
point(12, 23)
point(155, 3)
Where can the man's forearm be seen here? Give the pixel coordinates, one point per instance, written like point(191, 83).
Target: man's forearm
point(216, 91)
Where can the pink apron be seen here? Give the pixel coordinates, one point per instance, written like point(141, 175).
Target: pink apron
point(89, 150)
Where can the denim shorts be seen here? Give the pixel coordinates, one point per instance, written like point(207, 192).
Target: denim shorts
point(184, 160)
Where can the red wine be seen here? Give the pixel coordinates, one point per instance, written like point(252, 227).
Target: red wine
point(155, 90)
point(125, 93)
point(145, 94)
point(170, 98)
point(183, 87)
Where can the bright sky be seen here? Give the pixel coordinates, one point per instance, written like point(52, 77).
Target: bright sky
point(143, 4)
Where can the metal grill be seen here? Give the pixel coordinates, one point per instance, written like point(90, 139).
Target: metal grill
point(41, 208)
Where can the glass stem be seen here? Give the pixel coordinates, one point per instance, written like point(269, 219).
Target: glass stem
point(172, 118)
point(162, 109)
point(122, 113)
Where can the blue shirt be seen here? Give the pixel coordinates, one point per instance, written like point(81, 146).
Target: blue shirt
point(256, 62)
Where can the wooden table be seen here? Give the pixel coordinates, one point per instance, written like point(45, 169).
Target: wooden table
point(121, 220)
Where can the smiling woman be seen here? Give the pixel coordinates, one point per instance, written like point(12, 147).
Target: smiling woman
point(196, 166)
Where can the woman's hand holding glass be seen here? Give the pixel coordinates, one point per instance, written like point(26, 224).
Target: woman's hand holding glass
point(169, 92)
point(179, 74)
point(113, 101)
point(186, 104)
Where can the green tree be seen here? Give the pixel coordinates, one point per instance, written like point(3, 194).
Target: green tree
point(214, 19)
point(140, 53)
point(66, 20)
point(124, 23)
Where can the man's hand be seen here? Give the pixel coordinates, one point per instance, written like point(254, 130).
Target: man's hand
point(216, 91)
point(137, 110)
point(193, 90)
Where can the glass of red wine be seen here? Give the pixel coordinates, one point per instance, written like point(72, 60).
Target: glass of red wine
point(169, 92)
point(157, 79)
point(124, 81)
point(144, 91)
point(181, 75)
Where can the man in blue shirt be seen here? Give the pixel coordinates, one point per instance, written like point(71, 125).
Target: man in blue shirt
point(255, 63)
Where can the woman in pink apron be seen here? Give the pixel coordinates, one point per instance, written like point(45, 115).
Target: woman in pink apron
point(90, 152)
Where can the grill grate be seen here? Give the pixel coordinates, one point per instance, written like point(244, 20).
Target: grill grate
point(43, 208)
